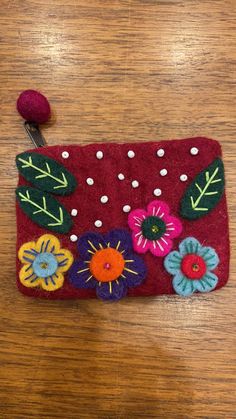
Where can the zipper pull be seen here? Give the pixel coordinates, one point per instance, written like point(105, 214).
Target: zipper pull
point(35, 109)
point(34, 133)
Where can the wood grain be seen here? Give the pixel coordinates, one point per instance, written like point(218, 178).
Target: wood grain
point(113, 71)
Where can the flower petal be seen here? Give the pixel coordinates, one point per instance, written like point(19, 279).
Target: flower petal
point(52, 283)
point(189, 245)
point(172, 262)
point(140, 243)
point(182, 285)
point(210, 257)
point(135, 270)
point(80, 275)
point(111, 291)
point(136, 218)
point(119, 239)
point(173, 227)
point(64, 259)
point(89, 243)
point(27, 252)
point(48, 243)
point(158, 208)
point(207, 283)
point(27, 276)
point(160, 247)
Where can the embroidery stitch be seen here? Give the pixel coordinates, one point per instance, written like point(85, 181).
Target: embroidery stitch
point(43, 209)
point(198, 200)
point(190, 267)
point(107, 265)
point(150, 226)
point(48, 264)
point(46, 173)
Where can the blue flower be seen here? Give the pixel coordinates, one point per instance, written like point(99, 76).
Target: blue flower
point(191, 267)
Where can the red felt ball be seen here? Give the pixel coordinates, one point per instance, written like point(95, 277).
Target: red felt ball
point(33, 106)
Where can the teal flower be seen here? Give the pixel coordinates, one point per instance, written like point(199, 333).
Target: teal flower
point(191, 267)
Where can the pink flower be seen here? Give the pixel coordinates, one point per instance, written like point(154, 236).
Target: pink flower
point(154, 229)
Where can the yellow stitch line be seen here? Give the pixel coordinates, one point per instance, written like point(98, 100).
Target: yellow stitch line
point(123, 276)
point(99, 283)
point(122, 252)
point(92, 245)
point(100, 245)
point(108, 244)
point(118, 245)
point(90, 251)
point(88, 279)
point(130, 270)
point(82, 270)
point(110, 287)
point(129, 260)
point(117, 281)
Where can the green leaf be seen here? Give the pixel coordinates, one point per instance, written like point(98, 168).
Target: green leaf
point(43, 209)
point(45, 173)
point(204, 193)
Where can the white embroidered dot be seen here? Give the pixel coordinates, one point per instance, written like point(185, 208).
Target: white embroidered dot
point(126, 208)
point(135, 184)
point(74, 212)
point(104, 199)
point(90, 181)
point(73, 237)
point(194, 151)
point(65, 154)
point(131, 154)
point(183, 178)
point(160, 152)
point(120, 176)
point(98, 223)
point(163, 172)
point(157, 192)
point(99, 155)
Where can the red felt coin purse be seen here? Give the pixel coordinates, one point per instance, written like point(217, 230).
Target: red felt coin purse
point(110, 220)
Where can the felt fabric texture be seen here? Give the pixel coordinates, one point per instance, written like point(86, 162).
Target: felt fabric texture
point(145, 167)
point(45, 173)
point(44, 209)
point(204, 193)
point(44, 263)
point(192, 267)
point(107, 264)
point(154, 230)
point(33, 106)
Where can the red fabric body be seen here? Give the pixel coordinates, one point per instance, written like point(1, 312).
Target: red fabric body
point(210, 230)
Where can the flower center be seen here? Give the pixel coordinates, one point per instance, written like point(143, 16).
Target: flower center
point(107, 264)
point(45, 264)
point(193, 266)
point(153, 228)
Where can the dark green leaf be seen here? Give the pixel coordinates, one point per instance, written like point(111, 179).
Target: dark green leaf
point(204, 193)
point(43, 209)
point(45, 173)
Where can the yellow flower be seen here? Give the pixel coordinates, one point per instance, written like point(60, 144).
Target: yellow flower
point(44, 263)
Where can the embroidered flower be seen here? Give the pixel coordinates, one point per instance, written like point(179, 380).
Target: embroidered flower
point(44, 263)
point(107, 264)
point(191, 267)
point(154, 229)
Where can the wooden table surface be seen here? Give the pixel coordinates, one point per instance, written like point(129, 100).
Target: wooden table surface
point(117, 70)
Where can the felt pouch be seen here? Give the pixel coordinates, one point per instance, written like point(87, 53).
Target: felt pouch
point(110, 220)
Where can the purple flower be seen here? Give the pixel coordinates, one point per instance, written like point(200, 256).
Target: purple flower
point(108, 264)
